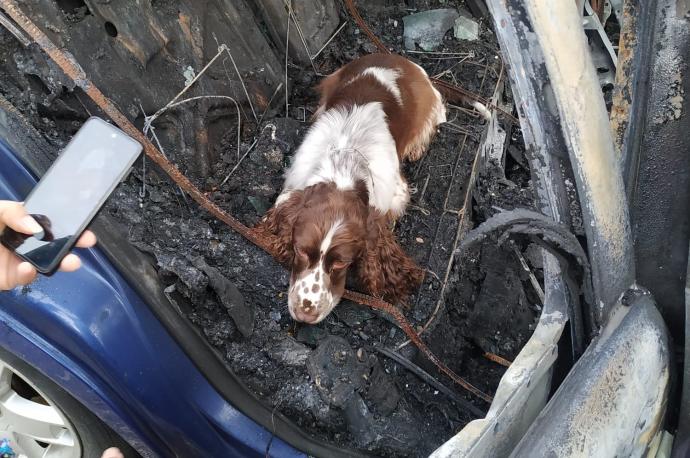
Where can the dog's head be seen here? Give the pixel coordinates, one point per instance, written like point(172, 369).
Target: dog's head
point(324, 232)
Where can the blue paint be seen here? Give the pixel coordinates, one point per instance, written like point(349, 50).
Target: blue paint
point(93, 335)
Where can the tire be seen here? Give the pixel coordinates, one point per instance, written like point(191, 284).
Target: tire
point(90, 435)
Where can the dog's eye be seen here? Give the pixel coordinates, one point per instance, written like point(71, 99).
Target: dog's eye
point(340, 265)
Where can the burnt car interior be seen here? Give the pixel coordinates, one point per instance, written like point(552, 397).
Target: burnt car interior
point(555, 234)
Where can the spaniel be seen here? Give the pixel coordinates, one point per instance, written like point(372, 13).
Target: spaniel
point(344, 188)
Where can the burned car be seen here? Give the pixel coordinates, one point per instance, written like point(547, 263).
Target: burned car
point(549, 214)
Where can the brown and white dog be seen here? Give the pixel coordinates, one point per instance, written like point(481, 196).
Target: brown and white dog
point(345, 187)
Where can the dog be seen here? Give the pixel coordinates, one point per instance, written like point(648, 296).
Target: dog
point(344, 188)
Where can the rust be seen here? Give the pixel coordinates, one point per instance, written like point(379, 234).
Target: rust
point(597, 7)
point(260, 98)
point(201, 139)
point(622, 93)
point(185, 26)
point(74, 71)
point(497, 359)
point(354, 12)
point(133, 48)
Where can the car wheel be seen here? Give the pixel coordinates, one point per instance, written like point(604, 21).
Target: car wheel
point(40, 419)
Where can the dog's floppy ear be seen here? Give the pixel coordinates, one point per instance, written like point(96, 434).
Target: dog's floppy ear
point(276, 226)
point(384, 269)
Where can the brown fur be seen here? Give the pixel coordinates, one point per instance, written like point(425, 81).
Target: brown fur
point(366, 241)
point(276, 227)
point(405, 122)
point(296, 228)
point(385, 270)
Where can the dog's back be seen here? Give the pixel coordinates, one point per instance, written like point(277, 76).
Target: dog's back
point(413, 107)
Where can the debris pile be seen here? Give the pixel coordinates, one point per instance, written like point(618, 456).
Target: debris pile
point(332, 379)
point(352, 379)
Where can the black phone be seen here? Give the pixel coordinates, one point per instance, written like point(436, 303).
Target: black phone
point(71, 193)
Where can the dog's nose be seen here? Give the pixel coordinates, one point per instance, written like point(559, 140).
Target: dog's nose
point(306, 313)
point(302, 309)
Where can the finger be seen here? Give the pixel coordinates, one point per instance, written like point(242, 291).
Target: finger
point(70, 263)
point(87, 240)
point(14, 215)
point(112, 452)
point(26, 273)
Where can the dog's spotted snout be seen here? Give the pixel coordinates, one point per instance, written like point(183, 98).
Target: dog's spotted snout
point(309, 298)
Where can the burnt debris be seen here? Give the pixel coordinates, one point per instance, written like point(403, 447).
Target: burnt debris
point(230, 289)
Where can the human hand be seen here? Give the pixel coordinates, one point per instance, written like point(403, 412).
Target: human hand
point(112, 452)
point(14, 271)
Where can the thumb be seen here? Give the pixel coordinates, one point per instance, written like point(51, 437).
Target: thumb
point(13, 215)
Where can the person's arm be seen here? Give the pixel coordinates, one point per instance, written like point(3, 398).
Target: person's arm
point(15, 272)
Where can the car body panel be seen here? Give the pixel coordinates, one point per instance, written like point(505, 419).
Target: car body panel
point(93, 335)
point(613, 402)
point(566, 131)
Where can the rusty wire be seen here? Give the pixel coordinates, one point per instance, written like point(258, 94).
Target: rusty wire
point(497, 359)
point(74, 71)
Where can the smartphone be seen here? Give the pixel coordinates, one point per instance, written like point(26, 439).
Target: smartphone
point(71, 193)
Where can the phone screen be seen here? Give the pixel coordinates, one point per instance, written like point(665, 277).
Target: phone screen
point(72, 191)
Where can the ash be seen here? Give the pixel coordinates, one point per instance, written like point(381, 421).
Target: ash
point(328, 378)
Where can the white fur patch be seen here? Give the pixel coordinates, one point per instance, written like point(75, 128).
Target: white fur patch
point(284, 196)
point(439, 111)
point(388, 77)
point(309, 292)
point(303, 289)
point(346, 145)
point(328, 239)
point(401, 197)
